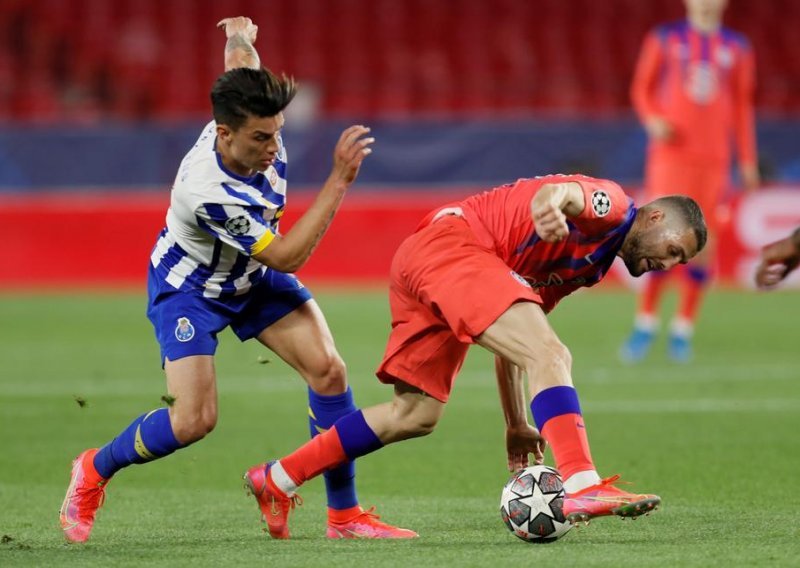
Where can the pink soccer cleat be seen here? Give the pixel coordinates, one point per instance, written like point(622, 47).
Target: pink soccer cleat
point(84, 497)
point(366, 524)
point(274, 504)
point(605, 499)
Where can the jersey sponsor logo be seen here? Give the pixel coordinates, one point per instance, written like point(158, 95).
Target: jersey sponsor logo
point(601, 203)
point(520, 279)
point(238, 225)
point(553, 279)
point(184, 331)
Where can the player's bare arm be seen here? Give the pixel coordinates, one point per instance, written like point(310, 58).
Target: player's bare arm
point(289, 252)
point(551, 206)
point(522, 439)
point(239, 49)
point(778, 260)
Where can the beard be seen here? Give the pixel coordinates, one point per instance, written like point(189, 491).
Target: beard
point(632, 256)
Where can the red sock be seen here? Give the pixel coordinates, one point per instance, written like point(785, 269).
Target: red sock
point(651, 294)
point(321, 453)
point(691, 297)
point(566, 435)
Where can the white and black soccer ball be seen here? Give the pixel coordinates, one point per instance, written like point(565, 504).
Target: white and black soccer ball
point(531, 505)
point(238, 225)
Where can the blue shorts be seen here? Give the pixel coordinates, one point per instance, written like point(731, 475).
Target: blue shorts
point(186, 323)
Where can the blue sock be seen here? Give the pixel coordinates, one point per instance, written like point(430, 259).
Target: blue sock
point(699, 274)
point(149, 437)
point(323, 412)
point(356, 437)
point(552, 402)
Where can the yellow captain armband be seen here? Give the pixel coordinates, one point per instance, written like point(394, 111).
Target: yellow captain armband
point(262, 243)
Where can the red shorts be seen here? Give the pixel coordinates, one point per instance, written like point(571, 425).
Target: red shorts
point(705, 183)
point(445, 290)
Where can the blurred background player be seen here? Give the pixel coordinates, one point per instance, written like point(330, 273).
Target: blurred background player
point(778, 260)
point(693, 91)
point(487, 270)
point(221, 262)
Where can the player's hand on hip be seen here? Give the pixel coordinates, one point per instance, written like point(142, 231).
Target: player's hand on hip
point(658, 128)
point(522, 440)
point(750, 176)
point(550, 222)
point(351, 149)
point(239, 26)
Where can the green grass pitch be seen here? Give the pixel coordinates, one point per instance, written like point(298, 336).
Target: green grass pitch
point(717, 439)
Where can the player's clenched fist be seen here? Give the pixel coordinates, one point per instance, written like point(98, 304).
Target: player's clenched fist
point(239, 26)
point(550, 222)
point(351, 149)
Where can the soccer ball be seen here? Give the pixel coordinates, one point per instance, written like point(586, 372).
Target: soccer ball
point(531, 505)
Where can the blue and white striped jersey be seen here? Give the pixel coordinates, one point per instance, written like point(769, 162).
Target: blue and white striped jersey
point(217, 220)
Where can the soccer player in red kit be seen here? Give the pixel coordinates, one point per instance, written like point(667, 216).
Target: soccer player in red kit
point(487, 270)
point(693, 91)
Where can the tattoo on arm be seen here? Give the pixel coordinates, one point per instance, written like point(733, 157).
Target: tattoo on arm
point(240, 53)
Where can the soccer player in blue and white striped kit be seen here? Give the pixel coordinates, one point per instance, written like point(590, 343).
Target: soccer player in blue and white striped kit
point(221, 261)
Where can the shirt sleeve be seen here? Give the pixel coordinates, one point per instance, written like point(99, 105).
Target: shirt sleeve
point(645, 79)
point(240, 226)
point(606, 207)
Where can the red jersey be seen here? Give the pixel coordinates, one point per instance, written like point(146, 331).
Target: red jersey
point(702, 84)
point(501, 219)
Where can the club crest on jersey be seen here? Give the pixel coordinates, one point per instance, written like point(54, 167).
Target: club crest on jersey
point(184, 331)
point(237, 225)
point(520, 279)
point(601, 203)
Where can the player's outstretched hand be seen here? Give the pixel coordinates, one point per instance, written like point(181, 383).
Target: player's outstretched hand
point(351, 149)
point(521, 441)
point(550, 221)
point(778, 260)
point(239, 26)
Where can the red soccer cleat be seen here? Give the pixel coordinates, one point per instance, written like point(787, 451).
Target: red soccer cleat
point(366, 524)
point(84, 497)
point(605, 499)
point(274, 504)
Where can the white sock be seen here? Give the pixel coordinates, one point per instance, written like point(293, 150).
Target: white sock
point(581, 480)
point(682, 327)
point(281, 479)
point(646, 322)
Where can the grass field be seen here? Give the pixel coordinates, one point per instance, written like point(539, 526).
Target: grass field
point(717, 439)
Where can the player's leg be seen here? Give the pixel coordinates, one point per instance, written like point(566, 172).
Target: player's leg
point(662, 177)
point(150, 436)
point(186, 327)
point(291, 324)
point(411, 413)
point(708, 190)
point(523, 336)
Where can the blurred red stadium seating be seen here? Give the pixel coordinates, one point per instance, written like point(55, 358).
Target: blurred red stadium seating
point(90, 60)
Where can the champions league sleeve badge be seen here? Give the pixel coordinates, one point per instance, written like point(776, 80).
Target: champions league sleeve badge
point(601, 203)
point(184, 330)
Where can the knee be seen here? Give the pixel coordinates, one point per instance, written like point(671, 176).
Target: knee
point(550, 358)
point(416, 424)
point(191, 427)
point(329, 376)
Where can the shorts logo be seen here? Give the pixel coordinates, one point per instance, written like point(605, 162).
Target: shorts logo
point(601, 203)
point(238, 226)
point(184, 331)
point(520, 279)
